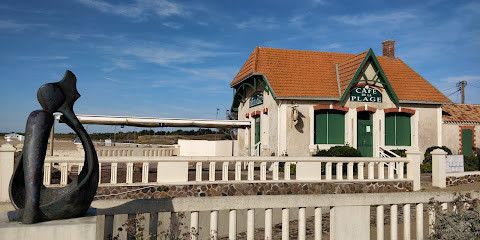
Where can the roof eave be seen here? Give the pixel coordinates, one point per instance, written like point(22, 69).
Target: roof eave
point(310, 98)
point(424, 102)
point(461, 122)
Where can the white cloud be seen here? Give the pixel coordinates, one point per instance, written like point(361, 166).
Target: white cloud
point(364, 19)
point(321, 2)
point(258, 23)
point(297, 20)
point(118, 64)
point(173, 25)
point(42, 58)
point(15, 26)
point(168, 54)
point(139, 9)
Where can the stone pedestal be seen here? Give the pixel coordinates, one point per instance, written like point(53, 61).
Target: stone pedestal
point(73, 229)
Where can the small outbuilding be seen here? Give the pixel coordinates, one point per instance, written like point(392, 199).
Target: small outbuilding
point(14, 137)
point(299, 102)
point(461, 124)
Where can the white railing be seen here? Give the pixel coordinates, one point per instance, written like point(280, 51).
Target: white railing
point(256, 149)
point(204, 169)
point(147, 152)
point(351, 216)
point(385, 153)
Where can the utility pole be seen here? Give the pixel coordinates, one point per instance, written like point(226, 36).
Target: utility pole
point(464, 83)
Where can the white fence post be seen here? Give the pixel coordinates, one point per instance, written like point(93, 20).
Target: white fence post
point(439, 168)
point(6, 164)
point(413, 168)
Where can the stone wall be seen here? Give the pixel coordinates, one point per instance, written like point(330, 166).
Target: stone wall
point(457, 180)
point(242, 189)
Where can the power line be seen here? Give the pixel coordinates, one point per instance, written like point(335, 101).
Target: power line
point(458, 90)
point(449, 89)
point(473, 86)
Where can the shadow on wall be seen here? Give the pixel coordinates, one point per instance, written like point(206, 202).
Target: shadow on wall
point(299, 125)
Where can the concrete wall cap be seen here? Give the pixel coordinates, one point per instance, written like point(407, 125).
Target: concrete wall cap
point(7, 147)
point(439, 151)
point(413, 152)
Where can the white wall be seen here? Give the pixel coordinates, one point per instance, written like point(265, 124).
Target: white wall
point(207, 148)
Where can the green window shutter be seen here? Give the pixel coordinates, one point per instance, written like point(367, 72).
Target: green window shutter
point(390, 130)
point(467, 142)
point(257, 130)
point(336, 128)
point(403, 130)
point(320, 127)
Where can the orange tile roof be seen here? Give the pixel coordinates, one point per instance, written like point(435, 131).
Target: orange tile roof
point(298, 73)
point(461, 113)
point(347, 69)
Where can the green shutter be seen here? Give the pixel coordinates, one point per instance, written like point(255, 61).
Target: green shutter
point(390, 130)
point(320, 127)
point(403, 130)
point(257, 130)
point(467, 142)
point(336, 128)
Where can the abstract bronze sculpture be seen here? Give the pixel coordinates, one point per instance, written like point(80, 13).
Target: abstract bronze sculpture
point(33, 201)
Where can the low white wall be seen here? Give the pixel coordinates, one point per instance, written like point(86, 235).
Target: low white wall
point(221, 148)
point(462, 174)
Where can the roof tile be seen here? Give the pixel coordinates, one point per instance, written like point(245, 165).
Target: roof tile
point(298, 73)
point(461, 113)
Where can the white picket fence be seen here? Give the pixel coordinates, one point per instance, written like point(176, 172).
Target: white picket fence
point(176, 169)
point(349, 215)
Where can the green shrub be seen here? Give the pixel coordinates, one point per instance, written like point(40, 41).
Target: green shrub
point(426, 166)
point(462, 223)
point(293, 168)
point(400, 152)
point(470, 163)
point(339, 151)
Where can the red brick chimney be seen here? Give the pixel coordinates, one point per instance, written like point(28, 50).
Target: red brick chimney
point(389, 48)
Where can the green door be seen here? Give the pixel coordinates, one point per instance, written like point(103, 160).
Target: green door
point(467, 142)
point(365, 133)
point(257, 135)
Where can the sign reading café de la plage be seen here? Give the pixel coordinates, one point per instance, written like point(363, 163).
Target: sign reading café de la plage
point(365, 94)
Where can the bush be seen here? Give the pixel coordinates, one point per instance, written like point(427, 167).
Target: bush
point(462, 223)
point(293, 168)
point(339, 151)
point(426, 166)
point(471, 163)
point(400, 152)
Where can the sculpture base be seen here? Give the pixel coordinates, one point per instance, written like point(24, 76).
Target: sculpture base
point(75, 228)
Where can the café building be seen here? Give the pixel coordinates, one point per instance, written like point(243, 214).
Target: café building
point(300, 102)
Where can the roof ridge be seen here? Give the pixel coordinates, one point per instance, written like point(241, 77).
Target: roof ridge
point(255, 65)
point(356, 55)
point(408, 66)
point(299, 50)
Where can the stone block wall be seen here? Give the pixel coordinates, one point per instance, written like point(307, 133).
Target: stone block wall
point(242, 189)
point(454, 181)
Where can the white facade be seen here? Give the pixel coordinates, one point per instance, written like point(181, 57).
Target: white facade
point(287, 125)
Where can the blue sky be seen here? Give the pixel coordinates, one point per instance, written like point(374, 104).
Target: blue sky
point(177, 58)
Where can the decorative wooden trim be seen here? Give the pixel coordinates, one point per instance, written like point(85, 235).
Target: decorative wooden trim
point(366, 109)
point(402, 110)
point(265, 111)
point(334, 107)
point(461, 135)
point(255, 113)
